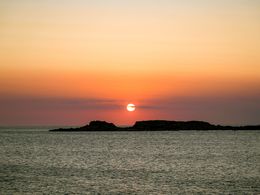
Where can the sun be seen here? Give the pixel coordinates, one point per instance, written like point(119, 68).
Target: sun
point(130, 107)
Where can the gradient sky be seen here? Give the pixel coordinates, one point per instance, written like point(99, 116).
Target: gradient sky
point(68, 62)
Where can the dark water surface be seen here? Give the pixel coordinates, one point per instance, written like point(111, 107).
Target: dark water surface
point(35, 161)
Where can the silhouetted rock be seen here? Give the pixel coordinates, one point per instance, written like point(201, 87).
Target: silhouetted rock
point(157, 125)
point(93, 126)
point(100, 126)
point(172, 125)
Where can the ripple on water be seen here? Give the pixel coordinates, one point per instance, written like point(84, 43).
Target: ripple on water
point(129, 162)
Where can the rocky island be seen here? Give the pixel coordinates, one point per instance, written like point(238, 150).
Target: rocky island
point(157, 125)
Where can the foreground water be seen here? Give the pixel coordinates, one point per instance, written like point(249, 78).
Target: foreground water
point(35, 161)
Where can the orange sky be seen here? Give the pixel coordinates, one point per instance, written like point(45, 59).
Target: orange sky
point(161, 55)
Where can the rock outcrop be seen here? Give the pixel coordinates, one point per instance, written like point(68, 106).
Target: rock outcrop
point(172, 125)
point(157, 125)
point(93, 126)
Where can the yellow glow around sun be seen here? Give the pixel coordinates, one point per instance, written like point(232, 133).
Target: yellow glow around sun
point(130, 107)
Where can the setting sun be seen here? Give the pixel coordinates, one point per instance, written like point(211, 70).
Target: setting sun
point(130, 107)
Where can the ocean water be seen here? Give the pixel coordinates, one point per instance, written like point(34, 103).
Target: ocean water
point(35, 161)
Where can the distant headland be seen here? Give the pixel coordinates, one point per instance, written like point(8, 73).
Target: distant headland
point(157, 125)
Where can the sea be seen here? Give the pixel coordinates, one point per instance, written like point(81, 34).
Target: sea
point(36, 161)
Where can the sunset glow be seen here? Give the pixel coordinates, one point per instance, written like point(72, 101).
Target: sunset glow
point(69, 62)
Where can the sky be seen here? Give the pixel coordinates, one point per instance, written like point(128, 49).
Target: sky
point(69, 62)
